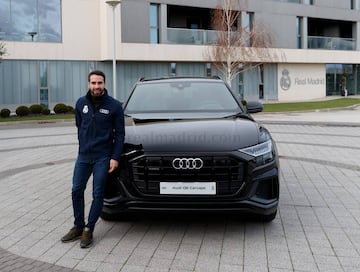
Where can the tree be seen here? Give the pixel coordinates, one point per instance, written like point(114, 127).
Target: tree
point(2, 49)
point(237, 47)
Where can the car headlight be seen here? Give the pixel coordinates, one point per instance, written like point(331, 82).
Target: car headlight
point(263, 153)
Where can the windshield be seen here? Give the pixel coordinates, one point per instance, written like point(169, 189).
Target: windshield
point(181, 99)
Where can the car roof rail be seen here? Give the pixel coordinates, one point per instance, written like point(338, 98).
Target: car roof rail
point(143, 79)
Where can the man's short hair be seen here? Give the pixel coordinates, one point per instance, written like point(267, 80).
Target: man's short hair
point(98, 73)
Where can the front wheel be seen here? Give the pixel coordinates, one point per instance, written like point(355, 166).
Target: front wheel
point(269, 217)
point(114, 217)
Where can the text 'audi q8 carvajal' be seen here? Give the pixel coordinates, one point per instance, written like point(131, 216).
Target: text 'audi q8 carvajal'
point(191, 146)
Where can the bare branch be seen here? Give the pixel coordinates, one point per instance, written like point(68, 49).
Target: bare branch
point(2, 49)
point(237, 47)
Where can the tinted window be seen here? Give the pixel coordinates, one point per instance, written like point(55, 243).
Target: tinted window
point(182, 97)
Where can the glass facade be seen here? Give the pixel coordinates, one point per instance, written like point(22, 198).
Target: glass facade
point(43, 90)
point(299, 31)
point(30, 20)
point(154, 23)
point(341, 79)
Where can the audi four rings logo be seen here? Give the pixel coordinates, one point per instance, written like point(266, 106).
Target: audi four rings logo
point(187, 163)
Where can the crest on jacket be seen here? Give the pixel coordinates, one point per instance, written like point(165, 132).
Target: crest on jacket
point(85, 109)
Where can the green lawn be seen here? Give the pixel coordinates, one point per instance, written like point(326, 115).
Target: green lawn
point(39, 118)
point(269, 107)
point(316, 105)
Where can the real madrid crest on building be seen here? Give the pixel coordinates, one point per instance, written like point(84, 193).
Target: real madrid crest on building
point(285, 81)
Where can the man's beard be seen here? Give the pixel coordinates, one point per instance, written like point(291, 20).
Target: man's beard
point(96, 93)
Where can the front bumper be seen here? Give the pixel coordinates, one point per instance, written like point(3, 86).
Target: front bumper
point(259, 196)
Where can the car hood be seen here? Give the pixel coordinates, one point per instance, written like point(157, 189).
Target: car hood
point(192, 135)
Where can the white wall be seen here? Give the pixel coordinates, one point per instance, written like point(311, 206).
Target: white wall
point(301, 81)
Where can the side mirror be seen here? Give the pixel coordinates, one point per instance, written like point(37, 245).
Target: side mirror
point(254, 107)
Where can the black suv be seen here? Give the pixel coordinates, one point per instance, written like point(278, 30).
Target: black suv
point(190, 145)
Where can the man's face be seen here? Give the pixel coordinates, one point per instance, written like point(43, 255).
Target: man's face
point(96, 85)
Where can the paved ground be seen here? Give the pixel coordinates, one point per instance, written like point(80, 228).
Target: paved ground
point(317, 227)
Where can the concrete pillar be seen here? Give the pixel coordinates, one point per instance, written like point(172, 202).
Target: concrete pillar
point(163, 23)
point(304, 32)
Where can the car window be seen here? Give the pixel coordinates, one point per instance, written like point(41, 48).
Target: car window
point(181, 97)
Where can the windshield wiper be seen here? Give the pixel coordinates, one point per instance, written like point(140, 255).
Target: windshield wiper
point(149, 120)
point(240, 115)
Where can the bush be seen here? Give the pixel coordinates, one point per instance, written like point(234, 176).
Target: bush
point(36, 109)
point(70, 109)
point(22, 111)
point(4, 113)
point(60, 108)
point(45, 111)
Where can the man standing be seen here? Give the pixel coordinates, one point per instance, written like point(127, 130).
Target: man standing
point(100, 124)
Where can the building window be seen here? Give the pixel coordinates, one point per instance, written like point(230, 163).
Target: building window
point(355, 4)
point(31, 20)
point(173, 69)
point(208, 69)
point(340, 79)
point(261, 81)
point(308, 2)
point(248, 26)
point(241, 86)
point(43, 90)
point(154, 23)
point(299, 21)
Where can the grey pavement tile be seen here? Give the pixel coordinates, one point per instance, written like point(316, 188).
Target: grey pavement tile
point(256, 268)
point(329, 267)
point(349, 262)
point(68, 262)
point(108, 267)
point(165, 254)
point(323, 250)
point(120, 255)
point(155, 269)
point(230, 268)
point(300, 265)
point(346, 252)
point(88, 265)
point(140, 256)
point(133, 268)
point(184, 263)
point(160, 263)
point(279, 260)
point(95, 256)
point(232, 258)
point(114, 259)
point(207, 263)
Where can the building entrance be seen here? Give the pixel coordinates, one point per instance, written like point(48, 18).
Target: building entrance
point(342, 79)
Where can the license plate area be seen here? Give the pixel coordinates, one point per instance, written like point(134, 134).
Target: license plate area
point(187, 188)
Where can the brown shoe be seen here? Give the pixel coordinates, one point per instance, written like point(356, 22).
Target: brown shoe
point(73, 234)
point(86, 238)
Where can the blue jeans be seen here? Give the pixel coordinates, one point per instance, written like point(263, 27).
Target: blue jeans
point(83, 169)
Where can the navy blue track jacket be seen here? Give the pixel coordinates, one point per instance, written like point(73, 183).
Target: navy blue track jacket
point(101, 130)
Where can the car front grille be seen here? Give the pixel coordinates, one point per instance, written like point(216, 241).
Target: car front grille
point(226, 171)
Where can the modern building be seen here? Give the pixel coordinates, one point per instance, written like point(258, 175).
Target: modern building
point(53, 44)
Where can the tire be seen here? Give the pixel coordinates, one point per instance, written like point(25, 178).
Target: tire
point(114, 217)
point(269, 217)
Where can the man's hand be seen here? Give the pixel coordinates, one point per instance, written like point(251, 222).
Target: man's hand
point(113, 165)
